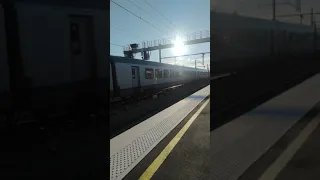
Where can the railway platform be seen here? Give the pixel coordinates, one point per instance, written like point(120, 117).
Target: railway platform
point(147, 149)
point(273, 140)
point(276, 140)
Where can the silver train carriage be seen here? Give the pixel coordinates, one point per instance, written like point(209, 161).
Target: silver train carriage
point(128, 75)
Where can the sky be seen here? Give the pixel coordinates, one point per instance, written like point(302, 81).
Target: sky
point(263, 8)
point(170, 18)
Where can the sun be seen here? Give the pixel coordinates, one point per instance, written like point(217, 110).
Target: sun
point(179, 47)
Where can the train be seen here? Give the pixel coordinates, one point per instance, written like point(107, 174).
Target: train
point(63, 66)
point(129, 76)
point(239, 41)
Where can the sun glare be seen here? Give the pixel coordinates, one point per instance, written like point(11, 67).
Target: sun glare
point(178, 48)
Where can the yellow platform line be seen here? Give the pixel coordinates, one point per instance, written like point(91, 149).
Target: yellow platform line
point(164, 154)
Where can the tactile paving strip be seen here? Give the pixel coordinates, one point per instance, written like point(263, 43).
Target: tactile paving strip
point(123, 161)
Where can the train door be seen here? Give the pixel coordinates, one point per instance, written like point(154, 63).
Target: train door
point(135, 76)
point(83, 61)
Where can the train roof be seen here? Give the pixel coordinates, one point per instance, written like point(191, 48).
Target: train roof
point(233, 21)
point(118, 59)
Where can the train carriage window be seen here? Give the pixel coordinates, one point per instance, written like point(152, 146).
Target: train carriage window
point(149, 73)
point(171, 73)
point(176, 73)
point(159, 73)
point(166, 73)
point(156, 73)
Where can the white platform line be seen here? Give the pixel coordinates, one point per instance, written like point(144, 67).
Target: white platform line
point(280, 163)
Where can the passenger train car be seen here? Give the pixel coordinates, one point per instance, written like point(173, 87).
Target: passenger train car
point(128, 75)
point(239, 41)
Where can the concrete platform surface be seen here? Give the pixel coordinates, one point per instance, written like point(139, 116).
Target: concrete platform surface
point(130, 147)
point(237, 145)
point(305, 164)
point(188, 159)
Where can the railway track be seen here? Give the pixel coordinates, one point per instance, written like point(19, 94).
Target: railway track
point(139, 112)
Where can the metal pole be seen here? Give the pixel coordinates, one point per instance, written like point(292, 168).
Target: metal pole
point(274, 10)
point(160, 55)
point(311, 22)
point(315, 43)
point(272, 31)
point(203, 59)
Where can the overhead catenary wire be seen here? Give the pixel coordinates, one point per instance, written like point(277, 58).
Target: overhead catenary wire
point(143, 10)
point(127, 33)
point(160, 13)
point(186, 61)
point(138, 17)
point(116, 44)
